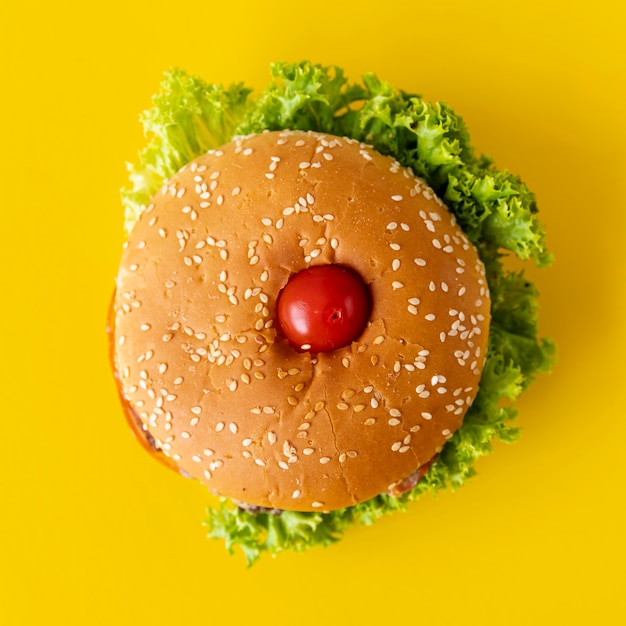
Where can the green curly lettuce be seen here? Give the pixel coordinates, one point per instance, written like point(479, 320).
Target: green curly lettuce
point(188, 118)
point(496, 210)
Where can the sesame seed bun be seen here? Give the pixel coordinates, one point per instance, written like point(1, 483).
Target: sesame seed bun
point(201, 360)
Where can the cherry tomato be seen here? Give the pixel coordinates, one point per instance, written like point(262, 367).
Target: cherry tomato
point(323, 308)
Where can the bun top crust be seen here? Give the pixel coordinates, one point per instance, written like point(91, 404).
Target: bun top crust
point(225, 395)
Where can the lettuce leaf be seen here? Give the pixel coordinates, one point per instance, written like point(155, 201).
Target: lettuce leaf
point(188, 118)
point(496, 210)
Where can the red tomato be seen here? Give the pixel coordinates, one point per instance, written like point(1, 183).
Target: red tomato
point(323, 308)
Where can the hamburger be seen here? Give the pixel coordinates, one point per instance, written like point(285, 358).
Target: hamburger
point(312, 315)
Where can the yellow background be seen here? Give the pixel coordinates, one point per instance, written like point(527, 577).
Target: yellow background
point(93, 531)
